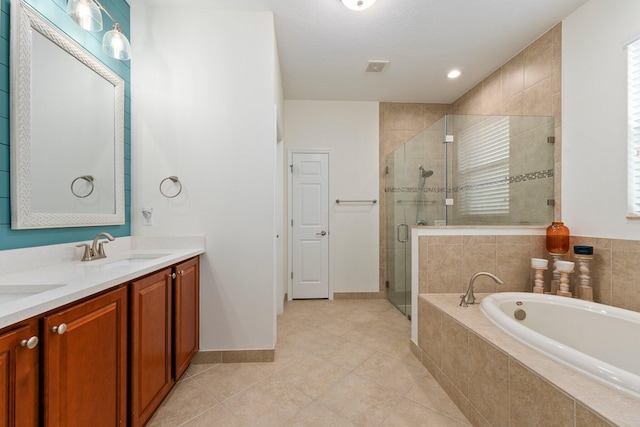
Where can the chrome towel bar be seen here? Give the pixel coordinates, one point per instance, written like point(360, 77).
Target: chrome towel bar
point(374, 201)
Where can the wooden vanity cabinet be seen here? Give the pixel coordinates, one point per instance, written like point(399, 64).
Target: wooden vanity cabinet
point(150, 344)
point(186, 309)
point(85, 363)
point(19, 358)
point(164, 334)
point(109, 360)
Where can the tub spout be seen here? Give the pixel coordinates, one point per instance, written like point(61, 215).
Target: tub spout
point(469, 298)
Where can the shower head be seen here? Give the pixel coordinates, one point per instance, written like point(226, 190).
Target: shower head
point(424, 173)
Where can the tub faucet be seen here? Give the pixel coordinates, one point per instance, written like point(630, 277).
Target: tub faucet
point(96, 250)
point(469, 298)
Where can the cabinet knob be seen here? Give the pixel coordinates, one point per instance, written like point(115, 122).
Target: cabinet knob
point(31, 343)
point(173, 275)
point(182, 272)
point(60, 329)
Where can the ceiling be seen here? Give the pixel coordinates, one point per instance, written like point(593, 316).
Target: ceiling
point(324, 47)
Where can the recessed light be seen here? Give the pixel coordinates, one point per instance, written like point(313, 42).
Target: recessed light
point(454, 74)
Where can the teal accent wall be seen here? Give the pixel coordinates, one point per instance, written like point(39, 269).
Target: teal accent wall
point(55, 11)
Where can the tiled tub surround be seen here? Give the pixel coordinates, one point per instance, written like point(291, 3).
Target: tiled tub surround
point(495, 380)
point(445, 258)
point(444, 262)
point(127, 259)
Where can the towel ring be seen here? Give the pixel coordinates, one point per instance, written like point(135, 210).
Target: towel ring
point(87, 178)
point(173, 179)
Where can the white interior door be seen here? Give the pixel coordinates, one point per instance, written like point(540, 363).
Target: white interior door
point(310, 225)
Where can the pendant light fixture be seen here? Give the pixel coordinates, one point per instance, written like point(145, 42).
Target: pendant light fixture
point(358, 4)
point(88, 15)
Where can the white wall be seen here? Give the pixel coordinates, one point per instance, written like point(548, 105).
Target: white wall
point(204, 88)
point(351, 130)
point(594, 118)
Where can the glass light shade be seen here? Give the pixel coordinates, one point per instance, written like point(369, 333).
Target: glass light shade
point(115, 44)
point(358, 4)
point(86, 14)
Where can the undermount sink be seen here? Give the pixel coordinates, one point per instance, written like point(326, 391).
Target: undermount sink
point(9, 293)
point(129, 260)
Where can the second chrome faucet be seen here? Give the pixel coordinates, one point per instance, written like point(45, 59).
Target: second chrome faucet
point(469, 298)
point(96, 250)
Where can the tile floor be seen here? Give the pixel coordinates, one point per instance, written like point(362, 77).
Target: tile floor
point(338, 363)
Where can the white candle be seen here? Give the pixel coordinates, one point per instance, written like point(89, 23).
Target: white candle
point(539, 263)
point(564, 265)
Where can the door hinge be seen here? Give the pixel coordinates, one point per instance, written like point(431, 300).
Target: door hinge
point(291, 167)
point(292, 223)
point(292, 275)
point(386, 170)
point(386, 284)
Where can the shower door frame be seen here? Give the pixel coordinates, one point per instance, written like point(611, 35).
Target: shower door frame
point(414, 163)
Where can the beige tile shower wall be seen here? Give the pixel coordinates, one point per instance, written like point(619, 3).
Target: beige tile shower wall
point(398, 124)
point(446, 263)
point(528, 84)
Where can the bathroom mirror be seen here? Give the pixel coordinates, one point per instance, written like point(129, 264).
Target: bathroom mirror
point(67, 130)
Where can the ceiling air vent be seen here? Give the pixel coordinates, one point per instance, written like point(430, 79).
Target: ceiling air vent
point(375, 66)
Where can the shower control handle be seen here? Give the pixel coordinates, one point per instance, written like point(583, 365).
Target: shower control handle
point(322, 233)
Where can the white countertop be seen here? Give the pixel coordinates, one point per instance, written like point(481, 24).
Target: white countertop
point(38, 280)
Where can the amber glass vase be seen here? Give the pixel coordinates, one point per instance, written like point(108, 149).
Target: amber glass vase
point(557, 238)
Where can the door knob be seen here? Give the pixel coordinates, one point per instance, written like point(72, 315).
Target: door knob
point(322, 233)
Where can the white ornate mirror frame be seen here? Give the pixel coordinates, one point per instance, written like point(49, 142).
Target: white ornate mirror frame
point(24, 22)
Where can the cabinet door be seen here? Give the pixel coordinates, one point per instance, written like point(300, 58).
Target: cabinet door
point(186, 299)
point(85, 363)
point(19, 376)
point(150, 343)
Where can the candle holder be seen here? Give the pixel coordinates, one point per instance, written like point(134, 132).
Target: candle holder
point(565, 268)
point(555, 278)
point(585, 291)
point(539, 265)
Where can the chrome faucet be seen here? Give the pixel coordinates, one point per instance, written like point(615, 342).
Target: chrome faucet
point(469, 298)
point(96, 250)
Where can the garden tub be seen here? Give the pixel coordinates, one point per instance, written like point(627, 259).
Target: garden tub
point(601, 341)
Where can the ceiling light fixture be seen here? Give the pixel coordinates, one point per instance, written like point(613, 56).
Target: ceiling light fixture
point(454, 74)
point(87, 14)
point(358, 4)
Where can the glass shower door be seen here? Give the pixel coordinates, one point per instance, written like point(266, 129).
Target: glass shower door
point(397, 231)
point(415, 196)
point(465, 170)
